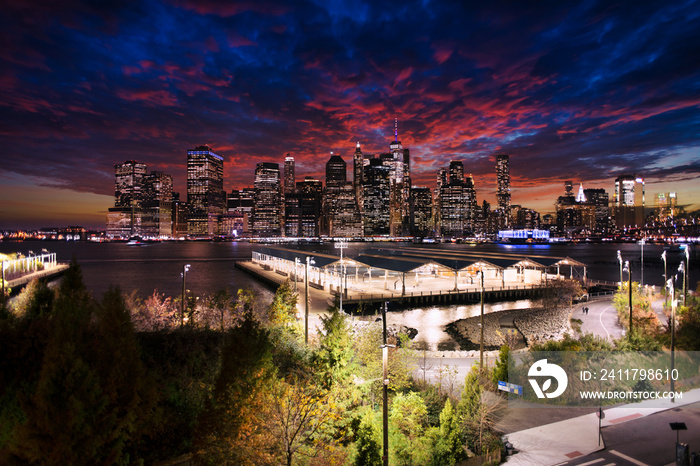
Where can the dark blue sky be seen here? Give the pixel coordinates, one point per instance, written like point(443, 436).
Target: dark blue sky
point(572, 91)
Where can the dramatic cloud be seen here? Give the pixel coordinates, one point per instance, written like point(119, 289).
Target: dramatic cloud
point(580, 92)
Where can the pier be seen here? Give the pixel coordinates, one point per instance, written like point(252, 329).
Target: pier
point(16, 273)
point(412, 276)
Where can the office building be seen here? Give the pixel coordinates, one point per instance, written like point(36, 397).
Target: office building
point(205, 191)
point(627, 213)
point(237, 221)
point(124, 219)
point(503, 186)
point(358, 166)
point(157, 205)
point(289, 175)
point(422, 203)
point(376, 196)
point(267, 210)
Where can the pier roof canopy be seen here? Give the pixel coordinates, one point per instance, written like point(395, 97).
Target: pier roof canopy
point(394, 264)
point(320, 260)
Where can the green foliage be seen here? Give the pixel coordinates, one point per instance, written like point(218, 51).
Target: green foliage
point(434, 401)
point(588, 342)
point(559, 294)
point(471, 394)
point(637, 342)
point(449, 448)
point(283, 309)
point(34, 300)
point(91, 390)
point(409, 414)
point(500, 372)
point(246, 369)
point(368, 442)
point(688, 325)
point(644, 319)
point(335, 350)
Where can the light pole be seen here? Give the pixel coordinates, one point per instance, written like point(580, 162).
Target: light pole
point(641, 276)
point(481, 340)
point(663, 257)
point(687, 271)
point(619, 259)
point(681, 268)
point(185, 269)
point(385, 390)
point(629, 274)
point(296, 272)
point(309, 261)
point(671, 288)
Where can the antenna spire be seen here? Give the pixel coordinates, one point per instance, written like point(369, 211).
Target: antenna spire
point(396, 130)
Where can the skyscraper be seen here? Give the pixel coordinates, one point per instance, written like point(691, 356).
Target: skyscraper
point(128, 183)
point(626, 212)
point(422, 211)
point(124, 219)
point(336, 171)
point(357, 173)
point(158, 205)
point(266, 215)
point(205, 191)
point(503, 190)
point(376, 199)
point(289, 175)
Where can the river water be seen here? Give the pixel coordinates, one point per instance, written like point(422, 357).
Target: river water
point(157, 266)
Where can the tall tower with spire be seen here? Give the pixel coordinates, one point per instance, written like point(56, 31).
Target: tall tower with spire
point(357, 173)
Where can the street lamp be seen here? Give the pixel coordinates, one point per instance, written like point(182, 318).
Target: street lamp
point(309, 261)
point(670, 288)
point(481, 340)
point(619, 259)
point(296, 272)
point(641, 277)
point(629, 274)
point(663, 257)
point(681, 268)
point(185, 269)
point(687, 270)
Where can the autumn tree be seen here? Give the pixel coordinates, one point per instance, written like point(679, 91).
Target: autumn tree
point(558, 294)
point(335, 350)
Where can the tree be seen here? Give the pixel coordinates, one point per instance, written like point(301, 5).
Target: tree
point(34, 300)
point(500, 372)
point(368, 442)
point(335, 350)
point(644, 320)
point(301, 417)
point(559, 294)
point(231, 428)
point(283, 309)
point(448, 447)
point(91, 389)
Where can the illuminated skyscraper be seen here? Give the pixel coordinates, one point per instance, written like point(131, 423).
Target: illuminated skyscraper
point(128, 183)
point(266, 213)
point(289, 175)
point(422, 202)
point(336, 171)
point(358, 165)
point(376, 199)
point(627, 214)
point(205, 191)
point(158, 205)
point(503, 180)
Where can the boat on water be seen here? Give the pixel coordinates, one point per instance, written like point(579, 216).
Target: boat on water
point(135, 240)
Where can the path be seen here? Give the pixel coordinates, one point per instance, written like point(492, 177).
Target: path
point(601, 319)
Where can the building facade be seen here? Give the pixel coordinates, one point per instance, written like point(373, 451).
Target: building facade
point(267, 210)
point(205, 191)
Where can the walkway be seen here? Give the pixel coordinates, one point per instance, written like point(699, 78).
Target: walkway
point(573, 438)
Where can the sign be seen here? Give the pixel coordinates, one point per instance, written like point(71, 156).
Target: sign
point(341, 245)
point(510, 387)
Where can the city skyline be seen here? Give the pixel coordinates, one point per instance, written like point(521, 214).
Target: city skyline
point(584, 92)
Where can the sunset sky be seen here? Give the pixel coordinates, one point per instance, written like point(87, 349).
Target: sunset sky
point(572, 91)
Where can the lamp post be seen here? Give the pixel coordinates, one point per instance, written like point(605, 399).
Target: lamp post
point(663, 257)
point(629, 275)
point(385, 389)
point(670, 288)
point(619, 259)
point(681, 268)
point(641, 276)
point(481, 339)
point(296, 272)
point(687, 270)
point(309, 261)
point(185, 269)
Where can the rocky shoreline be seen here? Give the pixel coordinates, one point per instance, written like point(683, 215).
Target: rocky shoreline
point(533, 325)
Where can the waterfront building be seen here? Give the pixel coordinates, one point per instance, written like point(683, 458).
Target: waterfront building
point(267, 200)
point(376, 196)
point(237, 220)
point(456, 199)
point(524, 218)
point(205, 191)
point(157, 205)
point(180, 210)
point(124, 219)
point(627, 213)
point(422, 204)
point(585, 213)
point(309, 194)
point(503, 185)
point(598, 197)
point(336, 177)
